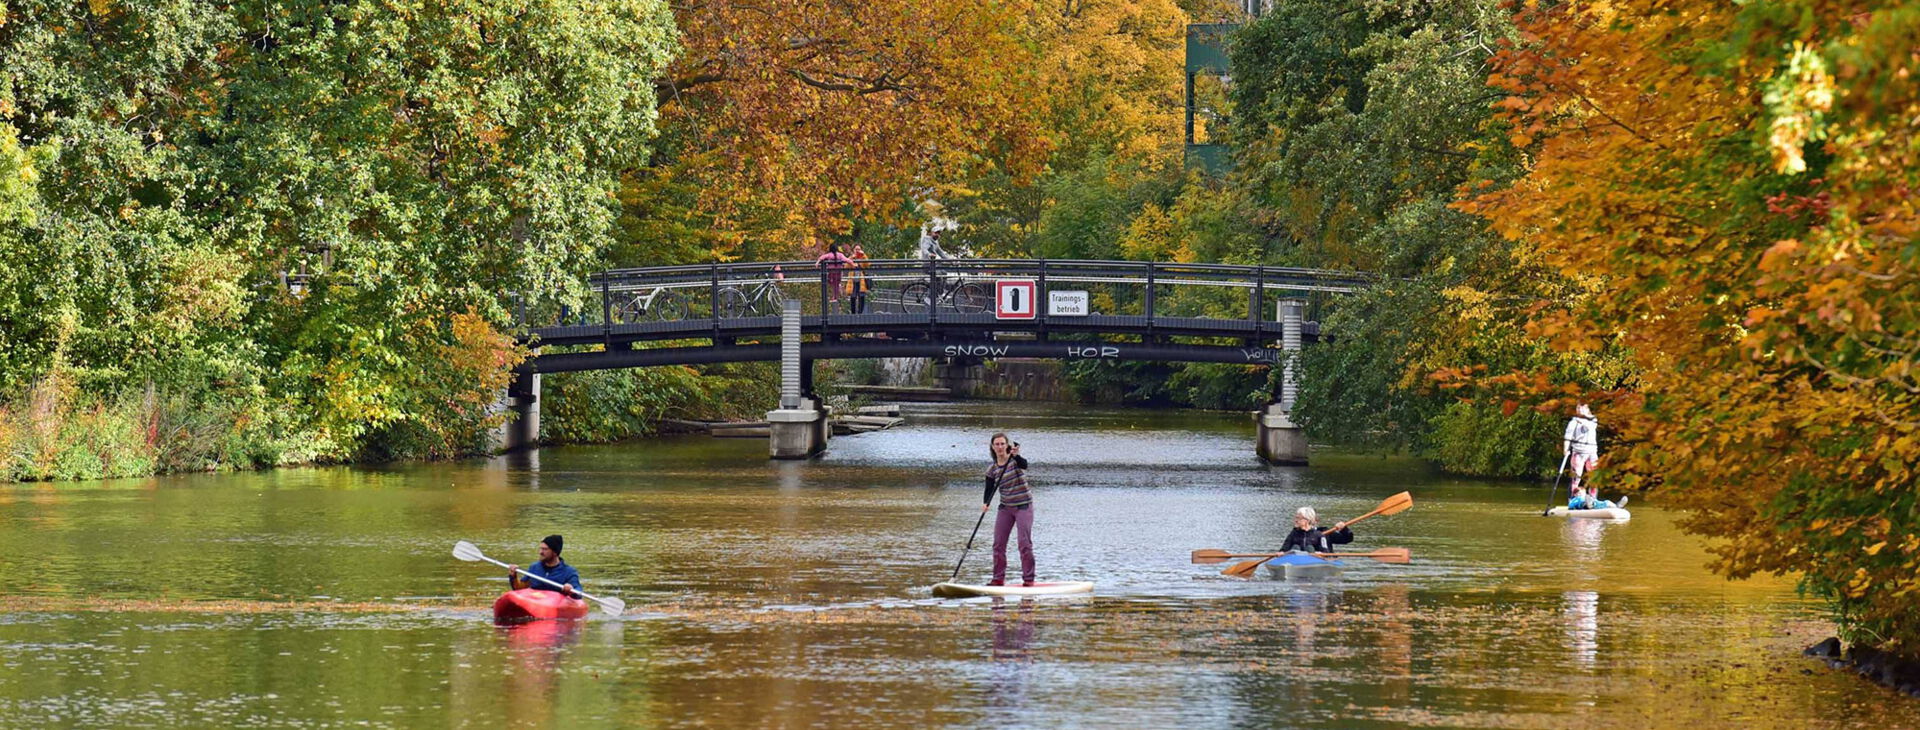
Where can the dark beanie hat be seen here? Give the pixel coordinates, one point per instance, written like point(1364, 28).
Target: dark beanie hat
point(555, 542)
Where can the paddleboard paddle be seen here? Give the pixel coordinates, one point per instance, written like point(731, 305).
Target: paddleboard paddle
point(466, 551)
point(963, 553)
point(1555, 489)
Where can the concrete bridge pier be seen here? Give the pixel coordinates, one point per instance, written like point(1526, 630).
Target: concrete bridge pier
point(521, 402)
point(1280, 440)
point(799, 428)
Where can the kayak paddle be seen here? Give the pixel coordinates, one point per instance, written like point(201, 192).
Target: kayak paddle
point(1398, 556)
point(466, 551)
point(1390, 506)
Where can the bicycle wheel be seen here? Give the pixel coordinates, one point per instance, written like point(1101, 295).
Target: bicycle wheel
point(631, 311)
point(668, 306)
point(733, 303)
point(771, 301)
point(914, 298)
point(971, 299)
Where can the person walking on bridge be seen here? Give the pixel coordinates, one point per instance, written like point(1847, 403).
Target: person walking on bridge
point(1008, 478)
point(857, 285)
point(833, 264)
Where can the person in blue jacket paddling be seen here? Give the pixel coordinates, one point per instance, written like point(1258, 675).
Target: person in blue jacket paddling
point(1308, 536)
point(550, 567)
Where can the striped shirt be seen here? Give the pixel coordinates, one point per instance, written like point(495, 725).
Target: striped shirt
point(1010, 480)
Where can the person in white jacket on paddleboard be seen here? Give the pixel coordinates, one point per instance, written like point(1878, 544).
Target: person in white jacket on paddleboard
point(1581, 444)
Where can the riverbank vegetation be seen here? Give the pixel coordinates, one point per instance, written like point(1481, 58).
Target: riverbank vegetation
point(1734, 187)
point(246, 235)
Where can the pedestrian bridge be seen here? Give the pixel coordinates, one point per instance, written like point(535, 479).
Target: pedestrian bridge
point(944, 308)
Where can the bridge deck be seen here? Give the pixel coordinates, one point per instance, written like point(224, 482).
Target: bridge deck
point(925, 308)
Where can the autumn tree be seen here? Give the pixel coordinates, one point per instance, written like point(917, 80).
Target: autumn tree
point(791, 119)
point(1733, 186)
point(283, 209)
point(1354, 127)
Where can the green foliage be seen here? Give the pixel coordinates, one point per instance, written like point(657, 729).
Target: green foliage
point(865, 371)
point(1477, 438)
point(1127, 382)
point(1219, 386)
point(168, 168)
point(612, 405)
point(1357, 126)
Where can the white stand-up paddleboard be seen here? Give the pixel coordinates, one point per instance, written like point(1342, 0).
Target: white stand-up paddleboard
point(963, 590)
point(1615, 513)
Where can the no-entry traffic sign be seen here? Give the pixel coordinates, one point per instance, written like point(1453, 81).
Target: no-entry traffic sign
point(1015, 298)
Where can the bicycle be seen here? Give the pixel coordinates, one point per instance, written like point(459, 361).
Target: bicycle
point(965, 297)
point(660, 304)
point(763, 299)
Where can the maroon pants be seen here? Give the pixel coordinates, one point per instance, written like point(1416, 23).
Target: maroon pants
point(1003, 524)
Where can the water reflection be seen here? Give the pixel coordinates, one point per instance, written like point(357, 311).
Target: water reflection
point(539, 650)
point(1395, 662)
point(1012, 629)
point(703, 536)
point(1581, 625)
point(1010, 677)
point(1583, 536)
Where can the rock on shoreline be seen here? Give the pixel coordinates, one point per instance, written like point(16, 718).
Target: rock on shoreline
point(1892, 670)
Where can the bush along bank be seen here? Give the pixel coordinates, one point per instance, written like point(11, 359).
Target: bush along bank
point(606, 406)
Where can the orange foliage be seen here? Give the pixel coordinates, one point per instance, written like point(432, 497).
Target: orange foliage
point(1734, 186)
point(822, 111)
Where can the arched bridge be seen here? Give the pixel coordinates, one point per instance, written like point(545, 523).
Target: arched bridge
point(968, 308)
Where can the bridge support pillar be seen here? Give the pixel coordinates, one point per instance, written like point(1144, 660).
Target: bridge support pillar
point(521, 402)
point(961, 376)
point(1281, 441)
point(799, 428)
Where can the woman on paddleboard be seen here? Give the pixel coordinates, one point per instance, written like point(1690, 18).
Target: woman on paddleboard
point(1308, 536)
point(1008, 478)
point(1581, 444)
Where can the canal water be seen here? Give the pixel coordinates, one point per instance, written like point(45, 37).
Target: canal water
point(767, 594)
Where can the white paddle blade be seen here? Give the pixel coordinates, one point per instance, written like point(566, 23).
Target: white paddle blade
point(466, 551)
point(613, 606)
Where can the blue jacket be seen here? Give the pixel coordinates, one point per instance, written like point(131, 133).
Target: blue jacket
point(561, 572)
point(1589, 502)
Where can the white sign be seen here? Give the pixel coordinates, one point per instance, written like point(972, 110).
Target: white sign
point(1068, 304)
point(1015, 299)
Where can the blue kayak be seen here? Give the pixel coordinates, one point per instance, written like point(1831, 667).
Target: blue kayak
point(1299, 566)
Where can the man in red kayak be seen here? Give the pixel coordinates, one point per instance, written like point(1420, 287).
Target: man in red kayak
point(550, 567)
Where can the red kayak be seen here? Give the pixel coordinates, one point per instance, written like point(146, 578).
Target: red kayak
point(527, 604)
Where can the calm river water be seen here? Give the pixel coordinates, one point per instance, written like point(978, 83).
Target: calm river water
point(795, 594)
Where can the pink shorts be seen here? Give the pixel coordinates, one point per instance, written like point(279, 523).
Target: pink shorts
point(1582, 463)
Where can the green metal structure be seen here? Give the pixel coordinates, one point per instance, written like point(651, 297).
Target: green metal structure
point(1206, 56)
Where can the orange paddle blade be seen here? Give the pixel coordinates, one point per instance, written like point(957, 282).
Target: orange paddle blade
point(1210, 555)
point(1395, 504)
point(1219, 556)
point(1397, 556)
point(1245, 568)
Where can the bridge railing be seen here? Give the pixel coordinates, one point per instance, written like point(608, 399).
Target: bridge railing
point(940, 287)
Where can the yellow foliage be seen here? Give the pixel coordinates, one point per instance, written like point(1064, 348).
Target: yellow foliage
point(1768, 296)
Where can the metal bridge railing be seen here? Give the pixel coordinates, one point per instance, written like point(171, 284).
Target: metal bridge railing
point(940, 287)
